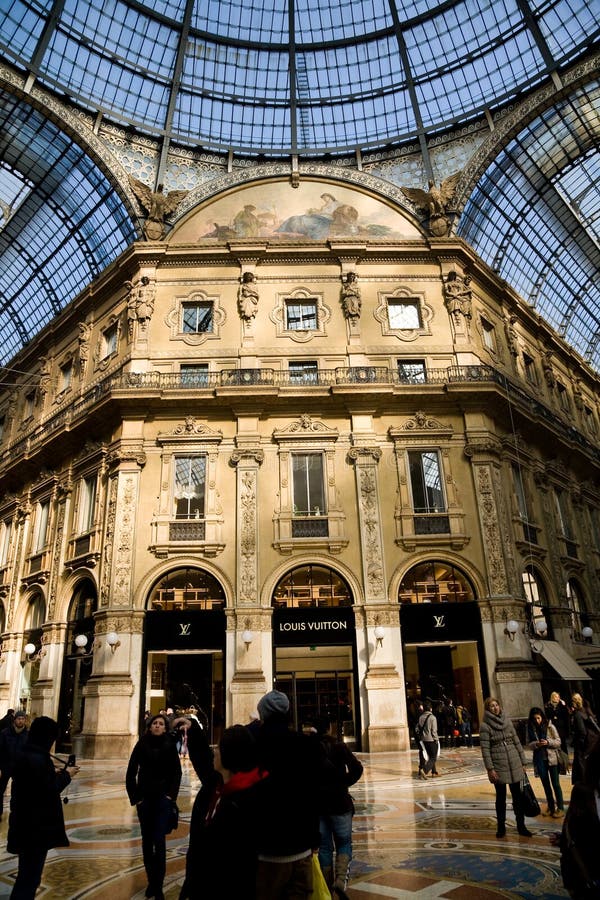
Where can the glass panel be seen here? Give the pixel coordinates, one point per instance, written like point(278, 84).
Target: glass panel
point(426, 482)
point(41, 527)
point(196, 374)
point(190, 476)
point(404, 314)
point(197, 317)
point(435, 582)
point(301, 316)
point(412, 371)
point(309, 495)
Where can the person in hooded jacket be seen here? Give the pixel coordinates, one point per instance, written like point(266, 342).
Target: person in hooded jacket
point(12, 741)
point(36, 822)
point(152, 781)
point(504, 759)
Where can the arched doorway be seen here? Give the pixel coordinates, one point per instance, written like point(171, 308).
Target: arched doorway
point(77, 664)
point(442, 640)
point(314, 648)
point(184, 639)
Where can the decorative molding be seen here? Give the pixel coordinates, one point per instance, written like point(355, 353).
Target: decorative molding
point(307, 427)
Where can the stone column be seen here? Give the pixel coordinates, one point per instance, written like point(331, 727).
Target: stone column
point(248, 683)
point(384, 680)
point(110, 723)
point(45, 692)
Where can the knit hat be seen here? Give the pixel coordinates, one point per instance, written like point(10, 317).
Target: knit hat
point(273, 703)
point(20, 713)
point(43, 732)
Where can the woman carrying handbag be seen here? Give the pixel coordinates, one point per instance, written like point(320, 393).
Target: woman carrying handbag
point(504, 759)
point(544, 740)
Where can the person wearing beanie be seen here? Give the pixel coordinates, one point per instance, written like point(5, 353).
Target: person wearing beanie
point(12, 741)
point(152, 781)
point(287, 814)
point(36, 822)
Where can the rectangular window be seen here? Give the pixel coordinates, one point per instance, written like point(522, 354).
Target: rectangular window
point(589, 419)
point(190, 487)
point(1, 427)
point(110, 340)
point(301, 315)
point(66, 374)
point(487, 331)
point(519, 491)
point(194, 374)
point(29, 402)
point(198, 318)
point(563, 396)
point(530, 373)
point(595, 526)
point(5, 533)
point(426, 481)
point(304, 371)
point(87, 500)
point(563, 515)
point(308, 484)
point(404, 314)
point(412, 371)
point(41, 526)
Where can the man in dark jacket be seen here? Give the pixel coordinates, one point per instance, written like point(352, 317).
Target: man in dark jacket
point(36, 822)
point(287, 827)
point(12, 741)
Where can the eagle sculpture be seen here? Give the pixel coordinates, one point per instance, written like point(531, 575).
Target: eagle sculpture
point(434, 201)
point(157, 205)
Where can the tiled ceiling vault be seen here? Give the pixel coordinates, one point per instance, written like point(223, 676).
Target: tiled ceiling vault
point(308, 79)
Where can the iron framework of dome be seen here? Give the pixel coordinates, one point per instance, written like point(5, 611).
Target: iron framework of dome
point(301, 80)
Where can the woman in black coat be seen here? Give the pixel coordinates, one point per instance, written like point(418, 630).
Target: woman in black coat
point(36, 822)
point(585, 731)
point(580, 838)
point(152, 781)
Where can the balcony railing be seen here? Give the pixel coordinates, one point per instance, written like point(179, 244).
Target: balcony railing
point(310, 526)
point(187, 530)
point(428, 523)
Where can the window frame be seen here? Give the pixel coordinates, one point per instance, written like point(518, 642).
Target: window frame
point(412, 379)
point(198, 305)
point(195, 374)
point(41, 527)
point(303, 375)
point(404, 296)
point(191, 459)
point(88, 487)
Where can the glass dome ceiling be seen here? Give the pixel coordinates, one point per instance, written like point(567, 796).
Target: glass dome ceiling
point(306, 79)
point(299, 76)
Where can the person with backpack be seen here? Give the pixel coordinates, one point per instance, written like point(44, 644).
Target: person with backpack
point(426, 732)
point(340, 770)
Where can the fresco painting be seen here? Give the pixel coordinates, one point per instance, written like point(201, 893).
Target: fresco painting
point(315, 211)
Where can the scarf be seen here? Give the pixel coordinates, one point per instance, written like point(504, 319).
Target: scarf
point(496, 723)
point(239, 781)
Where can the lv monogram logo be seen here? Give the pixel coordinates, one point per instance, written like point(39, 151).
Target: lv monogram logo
point(439, 621)
point(185, 629)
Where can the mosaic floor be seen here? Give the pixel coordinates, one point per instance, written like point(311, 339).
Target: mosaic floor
point(412, 839)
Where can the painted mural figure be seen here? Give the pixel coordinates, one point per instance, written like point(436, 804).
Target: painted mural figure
point(315, 223)
point(246, 223)
point(248, 296)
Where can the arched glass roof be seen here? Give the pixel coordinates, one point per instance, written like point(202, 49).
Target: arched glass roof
point(294, 75)
point(306, 78)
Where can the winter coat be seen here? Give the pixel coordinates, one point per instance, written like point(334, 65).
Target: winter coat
point(223, 863)
point(585, 731)
point(36, 812)
point(428, 727)
point(154, 769)
point(582, 829)
point(288, 813)
point(11, 744)
point(501, 748)
point(548, 733)
point(559, 716)
point(341, 769)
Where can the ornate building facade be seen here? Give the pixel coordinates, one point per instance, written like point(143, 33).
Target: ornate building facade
point(299, 441)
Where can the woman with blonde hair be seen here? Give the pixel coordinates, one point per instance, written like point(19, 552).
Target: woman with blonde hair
point(585, 730)
point(504, 759)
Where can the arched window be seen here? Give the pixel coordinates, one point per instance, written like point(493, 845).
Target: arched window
point(576, 605)
point(36, 613)
point(187, 588)
point(311, 586)
point(435, 582)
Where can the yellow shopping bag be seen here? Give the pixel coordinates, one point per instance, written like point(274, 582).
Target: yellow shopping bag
point(320, 890)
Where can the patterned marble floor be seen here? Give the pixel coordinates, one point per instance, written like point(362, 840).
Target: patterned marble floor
point(412, 839)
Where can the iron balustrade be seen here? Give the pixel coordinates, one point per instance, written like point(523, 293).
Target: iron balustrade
point(187, 530)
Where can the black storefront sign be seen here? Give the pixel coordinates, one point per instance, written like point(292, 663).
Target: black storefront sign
point(185, 630)
point(313, 627)
point(430, 622)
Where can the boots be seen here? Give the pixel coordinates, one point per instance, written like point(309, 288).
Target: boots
point(521, 829)
point(342, 869)
point(328, 875)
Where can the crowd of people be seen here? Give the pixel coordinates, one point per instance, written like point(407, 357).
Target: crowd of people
point(274, 810)
point(270, 796)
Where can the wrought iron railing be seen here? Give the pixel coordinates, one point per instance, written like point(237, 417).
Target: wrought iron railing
point(426, 523)
point(187, 530)
point(310, 526)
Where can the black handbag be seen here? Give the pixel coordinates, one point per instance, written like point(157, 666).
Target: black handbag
point(529, 802)
point(563, 762)
point(173, 820)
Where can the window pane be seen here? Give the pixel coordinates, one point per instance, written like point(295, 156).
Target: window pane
point(303, 371)
point(190, 478)
point(88, 497)
point(426, 481)
point(404, 314)
point(194, 374)
point(309, 497)
point(197, 318)
point(301, 316)
point(5, 542)
point(412, 371)
point(42, 527)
